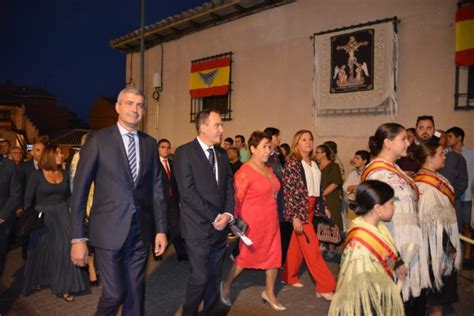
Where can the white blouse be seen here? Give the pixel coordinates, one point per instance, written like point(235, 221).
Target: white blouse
point(313, 178)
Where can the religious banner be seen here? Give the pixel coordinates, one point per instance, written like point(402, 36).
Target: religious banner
point(465, 36)
point(354, 78)
point(351, 73)
point(210, 77)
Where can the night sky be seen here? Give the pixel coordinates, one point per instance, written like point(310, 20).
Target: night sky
point(63, 45)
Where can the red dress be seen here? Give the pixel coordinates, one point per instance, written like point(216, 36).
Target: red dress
point(255, 203)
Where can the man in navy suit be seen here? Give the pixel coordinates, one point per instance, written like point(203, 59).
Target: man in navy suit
point(172, 198)
point(205, 183)
point(128, 210)
point(10, 199)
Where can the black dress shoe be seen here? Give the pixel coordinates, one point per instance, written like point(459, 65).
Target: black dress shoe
point(95, 283)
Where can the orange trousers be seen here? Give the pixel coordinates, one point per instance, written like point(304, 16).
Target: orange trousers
point(306, 246)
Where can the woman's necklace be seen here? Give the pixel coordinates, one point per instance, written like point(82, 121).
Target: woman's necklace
point(267, 175)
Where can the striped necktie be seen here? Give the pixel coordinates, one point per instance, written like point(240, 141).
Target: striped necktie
point(132, 155)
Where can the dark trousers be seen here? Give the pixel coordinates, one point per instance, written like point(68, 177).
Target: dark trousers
point(6, 230)
point(205, 261)
point(123, 275)
point(179, 247)
point(286, 228)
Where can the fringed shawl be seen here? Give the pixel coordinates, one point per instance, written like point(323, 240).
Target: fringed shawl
point(437, 214)
point(363, 286)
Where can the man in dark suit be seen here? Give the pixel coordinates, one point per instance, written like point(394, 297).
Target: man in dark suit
point(206, 189)
point(27, 169)
point(172, 197)
point(10, 196)
point(128, 206)
point(29, 166)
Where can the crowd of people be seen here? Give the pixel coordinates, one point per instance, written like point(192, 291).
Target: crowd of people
point(401, 210)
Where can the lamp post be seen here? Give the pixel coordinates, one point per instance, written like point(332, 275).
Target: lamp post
point(142, 54)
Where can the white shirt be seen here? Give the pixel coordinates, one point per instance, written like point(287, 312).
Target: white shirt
point(352, 179)
point(313, 178)
point(164, 163)
point(126, 139)
point(205, 148)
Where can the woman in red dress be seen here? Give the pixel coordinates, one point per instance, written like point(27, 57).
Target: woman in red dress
point(256, 190)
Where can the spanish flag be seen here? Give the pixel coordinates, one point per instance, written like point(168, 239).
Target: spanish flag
point(465, 36)
point(210, 78)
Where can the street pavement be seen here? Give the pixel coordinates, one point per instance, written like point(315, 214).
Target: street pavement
point(165, 288)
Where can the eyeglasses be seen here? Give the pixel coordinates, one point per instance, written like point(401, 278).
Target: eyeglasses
point(165, 147)
point(320, 152)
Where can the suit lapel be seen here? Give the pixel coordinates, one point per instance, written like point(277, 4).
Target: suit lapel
point(141, 142)
point(221, 161)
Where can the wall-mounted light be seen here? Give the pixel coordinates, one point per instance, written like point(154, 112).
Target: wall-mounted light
point(157, 86)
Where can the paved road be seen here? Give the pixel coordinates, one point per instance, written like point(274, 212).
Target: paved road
point(166, 282)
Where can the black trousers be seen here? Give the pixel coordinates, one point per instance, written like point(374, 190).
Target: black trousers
point(6, 230)
point(286, 229)
point(205, 261)
point(123, 275)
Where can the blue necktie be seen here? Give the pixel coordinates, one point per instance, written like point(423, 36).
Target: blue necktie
point(132, 155)
point(212, 160)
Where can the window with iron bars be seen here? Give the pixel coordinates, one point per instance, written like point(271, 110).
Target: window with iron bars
point(464, 89)
point(220, 103)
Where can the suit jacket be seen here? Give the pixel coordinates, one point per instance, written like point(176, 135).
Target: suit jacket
point(104, 161)
point(28, 167)
point(10, 188)
point(173, 200)
point(202, 198)
point(455, 170)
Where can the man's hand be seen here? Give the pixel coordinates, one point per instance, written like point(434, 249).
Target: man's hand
point(160, 244)
point(221, 222)
point(351, 188)
point(2, 221)
point(79, 253)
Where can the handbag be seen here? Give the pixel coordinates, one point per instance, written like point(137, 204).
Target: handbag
point(239, 228)
point(326, 230)
point(29, 221)
point(241, 224)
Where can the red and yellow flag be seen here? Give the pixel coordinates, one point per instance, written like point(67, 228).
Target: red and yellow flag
point(210, 78)
point(465, 36)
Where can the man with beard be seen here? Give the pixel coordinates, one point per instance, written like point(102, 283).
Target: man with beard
point(425, 129)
